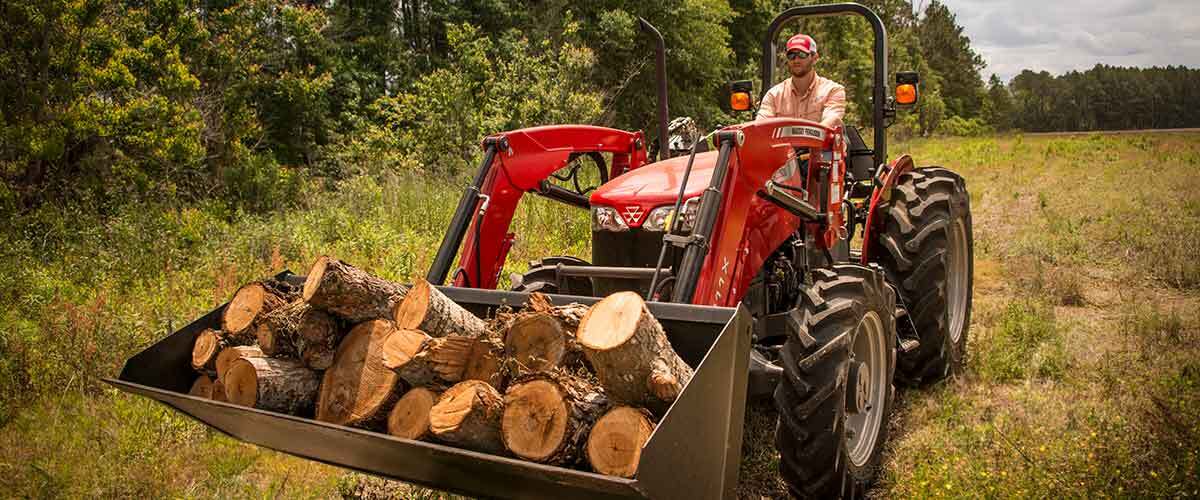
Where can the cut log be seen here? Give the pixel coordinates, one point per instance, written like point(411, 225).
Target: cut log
point(350, 293)
point(536, 341)
point(285, 331)
point(202, 387)
point(317, 355)
point(400, 353)
point(358, 389)
point(274, 384)
point(427, 309)
point(249, 303)
point(630, 352)
point(230, 354)
point(218, 391)
point(204, 352)
point(614, 447)
point(543, 336)
point(409, 419)
point(547, 417)
point(422, 360)
point(468, 415)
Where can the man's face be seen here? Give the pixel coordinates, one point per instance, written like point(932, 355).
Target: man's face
point(799, 65)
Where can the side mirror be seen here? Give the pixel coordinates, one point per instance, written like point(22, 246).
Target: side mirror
point(739, 95)
point(907, 90)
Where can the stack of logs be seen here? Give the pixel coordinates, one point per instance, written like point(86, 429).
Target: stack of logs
point(566, 385)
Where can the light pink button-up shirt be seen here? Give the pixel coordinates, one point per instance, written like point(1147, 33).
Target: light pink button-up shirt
point(824, 102)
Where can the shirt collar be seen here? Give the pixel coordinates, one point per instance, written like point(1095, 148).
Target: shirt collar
point(811, 85)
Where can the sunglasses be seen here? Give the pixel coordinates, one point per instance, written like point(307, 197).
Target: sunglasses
point(796, 54)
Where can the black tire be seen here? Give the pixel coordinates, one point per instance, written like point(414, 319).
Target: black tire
point(926, 235)
point(811, 436)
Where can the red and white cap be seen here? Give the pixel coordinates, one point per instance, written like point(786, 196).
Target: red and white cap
point(803, 43)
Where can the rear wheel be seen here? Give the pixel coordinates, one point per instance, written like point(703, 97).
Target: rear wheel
point(836, 394)
point(926, 248)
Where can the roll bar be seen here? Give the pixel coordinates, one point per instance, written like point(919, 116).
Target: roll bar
point(878, 96)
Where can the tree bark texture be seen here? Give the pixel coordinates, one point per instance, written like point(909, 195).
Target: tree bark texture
point(427, 309)
point(286, 331)
point(273, 384)
point(351, 293)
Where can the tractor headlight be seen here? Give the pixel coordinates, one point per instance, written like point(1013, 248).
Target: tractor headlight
point(661, 217)
point(607, 219)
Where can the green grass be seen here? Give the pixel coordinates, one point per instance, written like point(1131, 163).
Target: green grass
point(1083, 375)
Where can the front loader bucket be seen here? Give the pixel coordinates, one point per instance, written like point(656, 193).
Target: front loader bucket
point(693, 453)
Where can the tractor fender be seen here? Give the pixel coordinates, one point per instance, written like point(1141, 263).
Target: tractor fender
point(885, 179)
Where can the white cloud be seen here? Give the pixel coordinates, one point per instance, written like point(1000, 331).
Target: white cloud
point(1057, 36)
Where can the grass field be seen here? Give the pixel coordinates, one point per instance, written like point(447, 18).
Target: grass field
point(1083, 377)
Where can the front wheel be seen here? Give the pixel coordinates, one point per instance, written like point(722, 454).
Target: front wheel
point(836, 394)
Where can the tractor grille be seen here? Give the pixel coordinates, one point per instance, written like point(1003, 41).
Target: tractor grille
point(633, 248)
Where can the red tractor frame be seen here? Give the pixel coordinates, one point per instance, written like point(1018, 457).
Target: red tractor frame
point(764, 221)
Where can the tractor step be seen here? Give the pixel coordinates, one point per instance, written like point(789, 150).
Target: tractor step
point(909, 345)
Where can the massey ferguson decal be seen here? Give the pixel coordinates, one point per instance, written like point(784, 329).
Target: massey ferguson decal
point(633, 215)
point(799, 131)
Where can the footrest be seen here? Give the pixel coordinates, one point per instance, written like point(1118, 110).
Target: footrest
point(909, 345)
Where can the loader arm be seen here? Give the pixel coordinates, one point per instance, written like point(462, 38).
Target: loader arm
point(514, 163)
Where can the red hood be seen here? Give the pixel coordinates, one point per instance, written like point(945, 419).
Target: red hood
point(654, 185)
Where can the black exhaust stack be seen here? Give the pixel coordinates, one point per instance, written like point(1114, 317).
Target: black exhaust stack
point(660, 77)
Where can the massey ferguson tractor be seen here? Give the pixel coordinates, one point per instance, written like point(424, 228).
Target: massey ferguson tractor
point(783, 258)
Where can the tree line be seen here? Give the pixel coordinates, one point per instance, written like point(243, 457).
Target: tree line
point(247, 101)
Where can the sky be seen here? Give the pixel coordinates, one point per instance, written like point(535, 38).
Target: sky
point(1059, 36)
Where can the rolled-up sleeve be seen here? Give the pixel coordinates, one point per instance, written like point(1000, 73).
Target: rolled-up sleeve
point(835, 108)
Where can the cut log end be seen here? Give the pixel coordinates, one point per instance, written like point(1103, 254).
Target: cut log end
point(313, 281)
point(614, 446)
point(536, 341)
point(468, 415)
point(206, 350)
point(611, 322)
point(274, 384)
point(410, 312)
point(245, 306)
point(202, 387)
point(409, 419)
point(535, 420)
point(358, 389)
point(230, 354)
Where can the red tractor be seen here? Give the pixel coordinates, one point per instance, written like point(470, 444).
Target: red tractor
point(765, 221)
point(746, 255)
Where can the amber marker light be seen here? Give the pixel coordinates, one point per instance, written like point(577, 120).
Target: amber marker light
point(739, 101)
point(906, 94)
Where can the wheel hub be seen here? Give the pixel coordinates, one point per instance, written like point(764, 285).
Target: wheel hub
point(866, 388)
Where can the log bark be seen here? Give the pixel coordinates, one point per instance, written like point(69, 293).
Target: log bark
point(427, 309)
point(273, 384)
point(630, 352)
point(358, 389)
point(350, 293)
point(468, 415)
point(422, 360)
point(202, 387)
point(547, 417)
point(286, 331)
point(230, 354)
point(205, 351)
point(614, 446)
point(409, 419)
point(249, 304)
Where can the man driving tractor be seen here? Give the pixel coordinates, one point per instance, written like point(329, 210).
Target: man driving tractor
point(805, 95)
